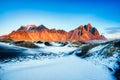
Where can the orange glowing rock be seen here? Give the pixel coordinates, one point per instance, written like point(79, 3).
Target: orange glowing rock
point(41, 33)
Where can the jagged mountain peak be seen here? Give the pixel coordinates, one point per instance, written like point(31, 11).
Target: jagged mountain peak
point(27, 27)
point(32, 27)
point(41, 27)
point(41, 32)
point(88, 27)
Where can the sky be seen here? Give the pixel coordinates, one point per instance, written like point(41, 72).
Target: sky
point(61, 14)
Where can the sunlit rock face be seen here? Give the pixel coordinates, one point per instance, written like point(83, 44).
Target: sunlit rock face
point(1, 37)
point(36, 33)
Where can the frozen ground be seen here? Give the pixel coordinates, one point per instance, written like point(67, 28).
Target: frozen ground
point(64, 68)
point(45, 67)
point(56, 48)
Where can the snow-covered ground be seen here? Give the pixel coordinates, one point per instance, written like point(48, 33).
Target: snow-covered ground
point(99, 57)
point(98, 41)
point(64, 68)
point(56, 48)
point(68, 67)
point(59, 50)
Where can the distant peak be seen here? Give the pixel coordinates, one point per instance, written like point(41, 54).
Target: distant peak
point(40, 27)
point(27, 27)
point(32, 27)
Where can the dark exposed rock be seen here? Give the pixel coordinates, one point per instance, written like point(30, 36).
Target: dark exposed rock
point(41, 27)
point(117, 74)
point(25, 44)
point(10, 52)
point(40, 42)
point(117, 44)
point(47, 44)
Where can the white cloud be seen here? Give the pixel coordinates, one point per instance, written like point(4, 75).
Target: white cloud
point(113, 35)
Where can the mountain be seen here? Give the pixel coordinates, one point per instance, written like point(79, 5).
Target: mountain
point(1, 37)
point(37, 33)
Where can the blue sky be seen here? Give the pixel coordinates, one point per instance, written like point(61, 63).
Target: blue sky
point(61, 14)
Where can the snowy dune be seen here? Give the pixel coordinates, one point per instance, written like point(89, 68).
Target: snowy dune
point(56, 63)
point(65, 68)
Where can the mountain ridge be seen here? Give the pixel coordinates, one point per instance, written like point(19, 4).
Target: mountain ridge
point(42, 33)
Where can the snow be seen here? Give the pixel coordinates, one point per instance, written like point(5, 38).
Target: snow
point(55, 44)
point(97, 58)
point(65, 68)
point(97, 41)
point(97, 48)
point(6, 44)
point(68, 67)
point(43, 48)
point(56, 48)
point(40, 45)
point(9, 45)
point(108, 62)
point(59, 50)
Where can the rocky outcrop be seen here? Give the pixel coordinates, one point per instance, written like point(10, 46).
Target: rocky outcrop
point(84, 33)
point(1, 37)
point(41, 33)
